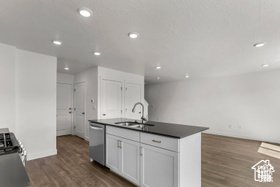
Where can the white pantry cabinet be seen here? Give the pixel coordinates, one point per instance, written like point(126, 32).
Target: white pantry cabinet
point(118, 92)
point(133, 94)
point(111, 99)
point(150, 160)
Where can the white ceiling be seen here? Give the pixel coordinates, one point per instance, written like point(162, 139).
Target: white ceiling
point(203, 38)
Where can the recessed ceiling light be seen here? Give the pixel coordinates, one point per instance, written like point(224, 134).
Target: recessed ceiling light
point(66, 68)
point(57, 42)
point(264, 65)
point(158, 67)
point(85, 12)
point(259, 44)
point(187, 76)
point(97, 53)
point(133, 35)
point(158, 78)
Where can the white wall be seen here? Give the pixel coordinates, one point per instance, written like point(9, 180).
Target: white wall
point(65, 78)
point(28, 99)
point(89, 77)
point(36, 103)
point(7, 85)
point(246, 106)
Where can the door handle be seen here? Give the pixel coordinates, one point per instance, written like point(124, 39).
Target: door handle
point(104, 114)
point(156, 141)
point(141, 151)
point(70, 112)
point(96, 128)
point(120, 144)
point(83, 113)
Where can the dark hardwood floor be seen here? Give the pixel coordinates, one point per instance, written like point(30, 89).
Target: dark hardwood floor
point(225, 162)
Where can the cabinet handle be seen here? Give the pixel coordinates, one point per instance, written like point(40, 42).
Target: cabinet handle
point(120, 144)
point(141, 151)
point(156, 141)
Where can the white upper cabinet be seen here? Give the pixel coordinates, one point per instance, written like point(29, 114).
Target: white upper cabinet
point(118, 92)
point(111, 99)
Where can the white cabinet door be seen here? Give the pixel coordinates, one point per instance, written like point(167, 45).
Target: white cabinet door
point(111, 99)
point(130, 160)
point(132, 96)
point(159, 167)
point(112, 153)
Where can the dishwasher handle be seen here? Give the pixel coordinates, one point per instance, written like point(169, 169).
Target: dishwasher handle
point(96, 128)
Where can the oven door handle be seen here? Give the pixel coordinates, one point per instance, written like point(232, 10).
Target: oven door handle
point(96, 128)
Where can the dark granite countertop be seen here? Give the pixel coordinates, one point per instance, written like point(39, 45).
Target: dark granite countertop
point(12, 171)
point(159, 128)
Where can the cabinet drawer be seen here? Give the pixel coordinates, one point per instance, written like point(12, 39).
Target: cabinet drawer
point(124, 133)
point(160, 141)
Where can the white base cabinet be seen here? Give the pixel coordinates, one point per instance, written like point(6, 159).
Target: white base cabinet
point(159, 167)
point(149, 160)
point(113, 153)
point(123, 157)
point(130, 160)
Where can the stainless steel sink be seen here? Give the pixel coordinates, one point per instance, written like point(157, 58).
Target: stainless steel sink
point(126, 123)
point(133, 124)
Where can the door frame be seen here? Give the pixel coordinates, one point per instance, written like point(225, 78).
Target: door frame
point(85, 88)
point(72, 103)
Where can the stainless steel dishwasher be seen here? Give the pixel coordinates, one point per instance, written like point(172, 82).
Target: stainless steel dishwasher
point(97, 143)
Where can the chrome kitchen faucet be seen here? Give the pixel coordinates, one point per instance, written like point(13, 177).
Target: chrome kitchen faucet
point(133, 110)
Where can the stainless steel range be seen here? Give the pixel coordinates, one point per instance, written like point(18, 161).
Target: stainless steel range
point(9, 144)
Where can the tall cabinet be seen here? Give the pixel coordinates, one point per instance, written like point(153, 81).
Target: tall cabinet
point(118, 92)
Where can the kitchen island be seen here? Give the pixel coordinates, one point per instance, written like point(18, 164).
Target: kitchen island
point(154, 154)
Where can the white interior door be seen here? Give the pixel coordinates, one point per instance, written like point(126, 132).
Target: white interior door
point(79, 110)
point(132, 96)
point(63, 109)
point(111, 95)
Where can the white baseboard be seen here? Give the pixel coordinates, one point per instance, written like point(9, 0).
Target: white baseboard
point(234, 135)
point(32, 156)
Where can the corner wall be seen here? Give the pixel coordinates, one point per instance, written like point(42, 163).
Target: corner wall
point(28, 99)
point(7, 84)
point(245, 106)
point(36, 103)
point(89, 77)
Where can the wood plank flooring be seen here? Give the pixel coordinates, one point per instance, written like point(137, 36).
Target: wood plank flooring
point(226, 162)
